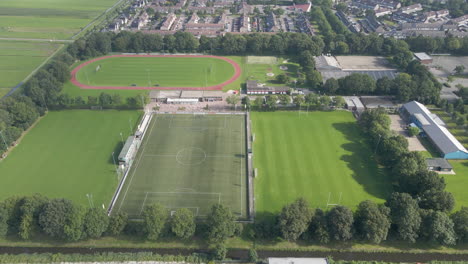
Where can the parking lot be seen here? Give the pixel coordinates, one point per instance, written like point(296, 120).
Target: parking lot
point(398, 125)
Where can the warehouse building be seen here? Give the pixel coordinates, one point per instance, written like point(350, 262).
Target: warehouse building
point(434, 128)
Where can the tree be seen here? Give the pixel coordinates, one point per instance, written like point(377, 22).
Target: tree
point(284, 99)
point(154, 219)
point(331, 86)
point(253, 256)
point(233, 100)
point(339, 223)
point(339, 101)
point(96, 222)
point(460, 221)
point(117, 223)
point(105, 99)
point(220, 251)
point(246, 102)
point(221, 224)
point(372, 221)
point(62, 219)
point(294, 219)
point(318, 229)
point(459, 69)
point(282, 78)
point(438, 227)
point(357, 84)
point(436, 200)
point(413, 131)
point(183, 223)
point(3, 221)
point(29, 209)
point(298, 100)
point(404, 213)
point(271, 102)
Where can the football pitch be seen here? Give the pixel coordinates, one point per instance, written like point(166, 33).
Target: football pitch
point(321, 156)
point(68, 154)
point(145, 71)
point(189, 161)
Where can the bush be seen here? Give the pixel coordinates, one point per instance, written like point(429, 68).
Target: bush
point(413, 131)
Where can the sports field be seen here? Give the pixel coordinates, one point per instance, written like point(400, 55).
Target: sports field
point(134, 71)
point(68, 154)
point(190, 161)
point(321, 156)
point(48, 19)
point(265, 69)
point(18, 59)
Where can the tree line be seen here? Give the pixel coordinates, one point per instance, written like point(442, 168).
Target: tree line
point(416, 83)
point(63, 220)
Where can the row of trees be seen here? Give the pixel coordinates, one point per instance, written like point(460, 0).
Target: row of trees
point(417, 84)
point(30, 216)
point(399, 218)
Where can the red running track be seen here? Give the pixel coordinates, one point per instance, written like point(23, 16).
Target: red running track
point(237, 73)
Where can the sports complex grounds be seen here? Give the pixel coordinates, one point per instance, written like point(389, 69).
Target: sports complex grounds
point(189, 161)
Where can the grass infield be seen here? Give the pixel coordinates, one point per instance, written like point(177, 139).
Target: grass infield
point(190, 161)
point(314, 155)
point(68, 154)
point(156, 72)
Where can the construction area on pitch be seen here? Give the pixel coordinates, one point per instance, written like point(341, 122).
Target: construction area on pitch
point(188, 161)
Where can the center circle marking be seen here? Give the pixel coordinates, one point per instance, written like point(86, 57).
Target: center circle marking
point(191, 156)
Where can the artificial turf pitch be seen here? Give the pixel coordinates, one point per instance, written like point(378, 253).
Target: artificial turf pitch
point(189, 161)
point(156, 71)
point(68, 154)
point(314, 155)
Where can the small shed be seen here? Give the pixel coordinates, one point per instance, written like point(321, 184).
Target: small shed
point(353, 103)
point(423, 57)
point(438, 164)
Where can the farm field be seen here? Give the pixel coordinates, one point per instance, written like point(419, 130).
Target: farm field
point(316, 156)
point(19, 59)
point(48, 19)
point(189, 161)
point(156, 71)
point(68, 154)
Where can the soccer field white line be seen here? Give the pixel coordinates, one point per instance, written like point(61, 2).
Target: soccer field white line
point(137, 164)
point(240, 172)
point(199, 127)
point(178, 193)
point(196, 156)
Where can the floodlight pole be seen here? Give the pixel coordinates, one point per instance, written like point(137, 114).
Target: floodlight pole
point(3, 138)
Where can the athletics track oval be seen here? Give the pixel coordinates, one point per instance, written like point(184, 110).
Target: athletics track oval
point(235, 76)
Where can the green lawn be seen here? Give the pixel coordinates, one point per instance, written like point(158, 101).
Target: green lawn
point(68, 154)
point(48, 19)
point(152, 71)
point(259, 71)
point(189, 161)
point(313, 156)
point(19, 59)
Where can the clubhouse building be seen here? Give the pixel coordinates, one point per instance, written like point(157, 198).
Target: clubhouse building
point(435, 130)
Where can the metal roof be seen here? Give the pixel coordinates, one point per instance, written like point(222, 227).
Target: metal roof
point(438, 162)
point(126, 147)
point(422, 56)
point(442, 138)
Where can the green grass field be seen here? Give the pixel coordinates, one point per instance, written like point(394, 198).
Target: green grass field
point(254, 69)
point(68, 154)
point(48, 19)
point(156, 71)
point(190, 161)
point(313, 156)
point(19, 59)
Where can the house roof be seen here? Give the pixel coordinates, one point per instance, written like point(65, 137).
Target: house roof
point(442, 138)
point(438, 162)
